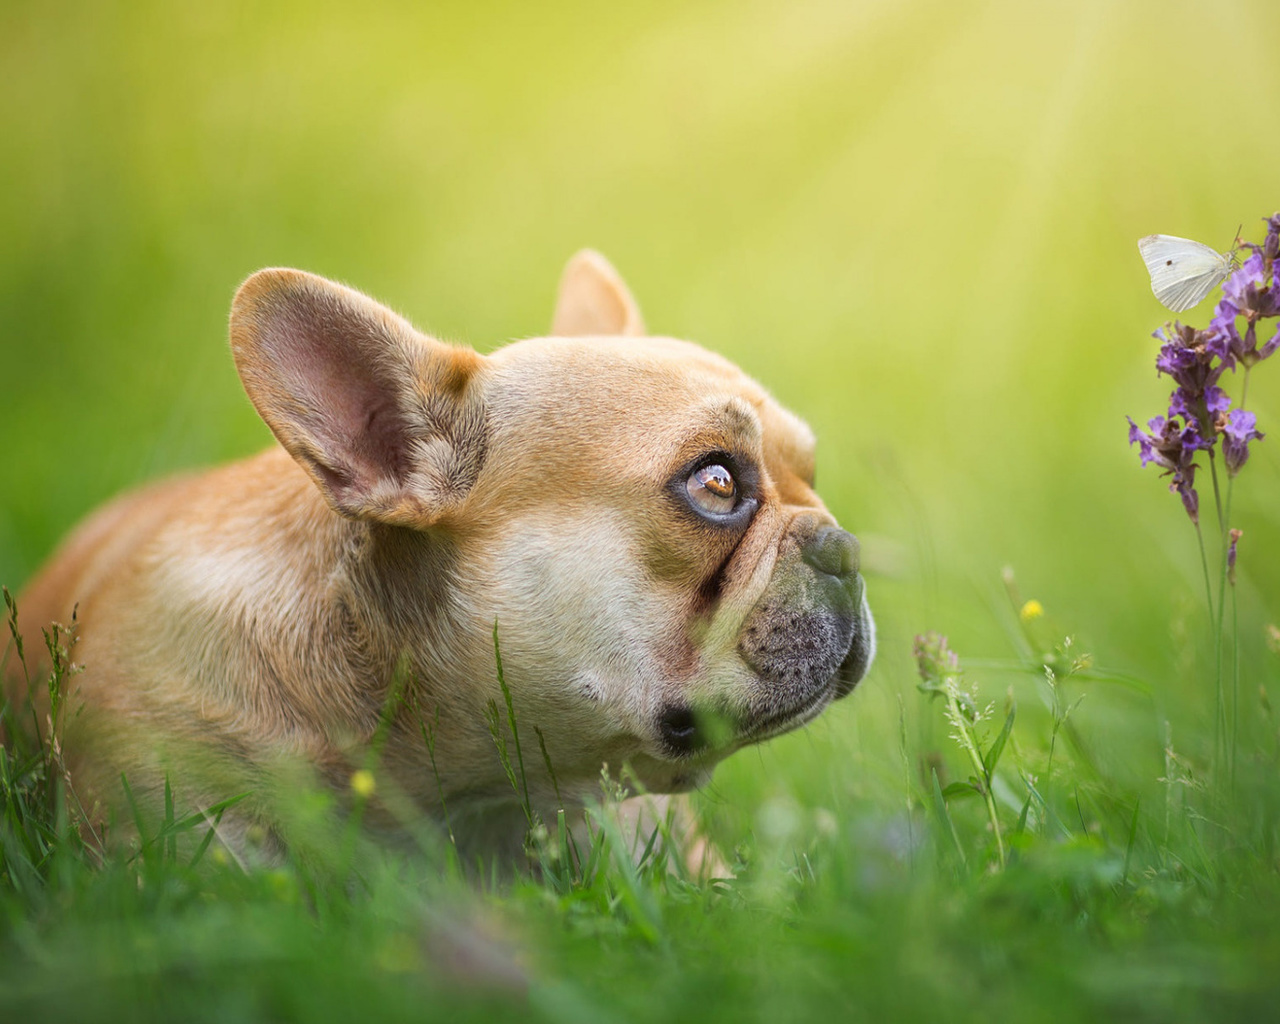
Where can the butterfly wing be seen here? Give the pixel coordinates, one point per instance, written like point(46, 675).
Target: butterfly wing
point(1182, 295)
point(1182, 271)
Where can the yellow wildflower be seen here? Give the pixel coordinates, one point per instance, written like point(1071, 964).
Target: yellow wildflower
point(362, 783)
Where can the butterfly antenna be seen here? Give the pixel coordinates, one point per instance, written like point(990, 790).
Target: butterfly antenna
point(1236, 246)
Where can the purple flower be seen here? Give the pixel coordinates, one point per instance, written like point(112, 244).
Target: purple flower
point(1199, 410)
point(934, 659)
point(1252, 292)
point(1185, 356)
point(1270, 346)
point(1238, 429)
point(1183, 483)
point(1216, 402)
point(1224, 340)
point(1246, 288)
point(1172, 446)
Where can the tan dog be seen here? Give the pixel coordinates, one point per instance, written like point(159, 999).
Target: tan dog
point(635, 514)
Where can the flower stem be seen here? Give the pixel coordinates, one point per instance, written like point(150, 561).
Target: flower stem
point(1222, 610)
point(1217, 494)
point(1204, 565)
point(1213, 619)
point(1220, 714)
point(1235, 685)
point(965, 735)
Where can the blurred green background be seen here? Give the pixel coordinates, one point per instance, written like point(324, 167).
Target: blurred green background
point(914, 221)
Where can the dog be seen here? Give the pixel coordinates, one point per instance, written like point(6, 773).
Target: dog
point(627, 522)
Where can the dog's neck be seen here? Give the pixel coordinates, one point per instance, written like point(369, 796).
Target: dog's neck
point(403, 644)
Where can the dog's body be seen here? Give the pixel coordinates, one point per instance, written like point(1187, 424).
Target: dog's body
point(634, 513)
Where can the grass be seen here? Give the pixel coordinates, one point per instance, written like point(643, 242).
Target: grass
point(1000, 870)
point(915, 223)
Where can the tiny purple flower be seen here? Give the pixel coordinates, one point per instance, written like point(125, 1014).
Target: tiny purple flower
point(1145, 442)
point(934, 659)
point(1182, 403)
point(1246, 286)
point(1225, 341)
point(1185, 356)
point(1172, 446)
point(1271, 345)
point(1238, 429)
point(1184, 484)
point(1252, 292)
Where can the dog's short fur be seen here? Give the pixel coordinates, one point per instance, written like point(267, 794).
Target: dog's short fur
point(422, 492)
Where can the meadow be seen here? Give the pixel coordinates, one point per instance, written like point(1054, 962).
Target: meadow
point(915, 223)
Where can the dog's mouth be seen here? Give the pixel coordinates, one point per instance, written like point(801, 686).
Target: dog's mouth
point(687, 732)
point(775, 723)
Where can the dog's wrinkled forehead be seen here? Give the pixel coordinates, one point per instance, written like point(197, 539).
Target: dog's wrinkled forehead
point(648, 401)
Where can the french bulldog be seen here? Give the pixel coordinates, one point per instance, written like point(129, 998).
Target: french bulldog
point(627, 521)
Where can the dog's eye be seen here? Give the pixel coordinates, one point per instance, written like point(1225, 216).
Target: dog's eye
point(712, 489)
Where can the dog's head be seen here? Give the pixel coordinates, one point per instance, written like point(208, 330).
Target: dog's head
point(635, 513)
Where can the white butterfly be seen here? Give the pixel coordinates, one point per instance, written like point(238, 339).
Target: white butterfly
point(1183, 272)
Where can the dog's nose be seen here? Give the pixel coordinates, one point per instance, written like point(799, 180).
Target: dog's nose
point(832, 550)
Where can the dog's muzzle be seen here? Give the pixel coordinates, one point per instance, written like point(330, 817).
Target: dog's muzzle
point(809, 640)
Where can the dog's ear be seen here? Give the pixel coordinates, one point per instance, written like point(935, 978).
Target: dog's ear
point(385, 420)
point(593, 300)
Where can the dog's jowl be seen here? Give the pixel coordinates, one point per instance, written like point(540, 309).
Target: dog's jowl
point(635, 514)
